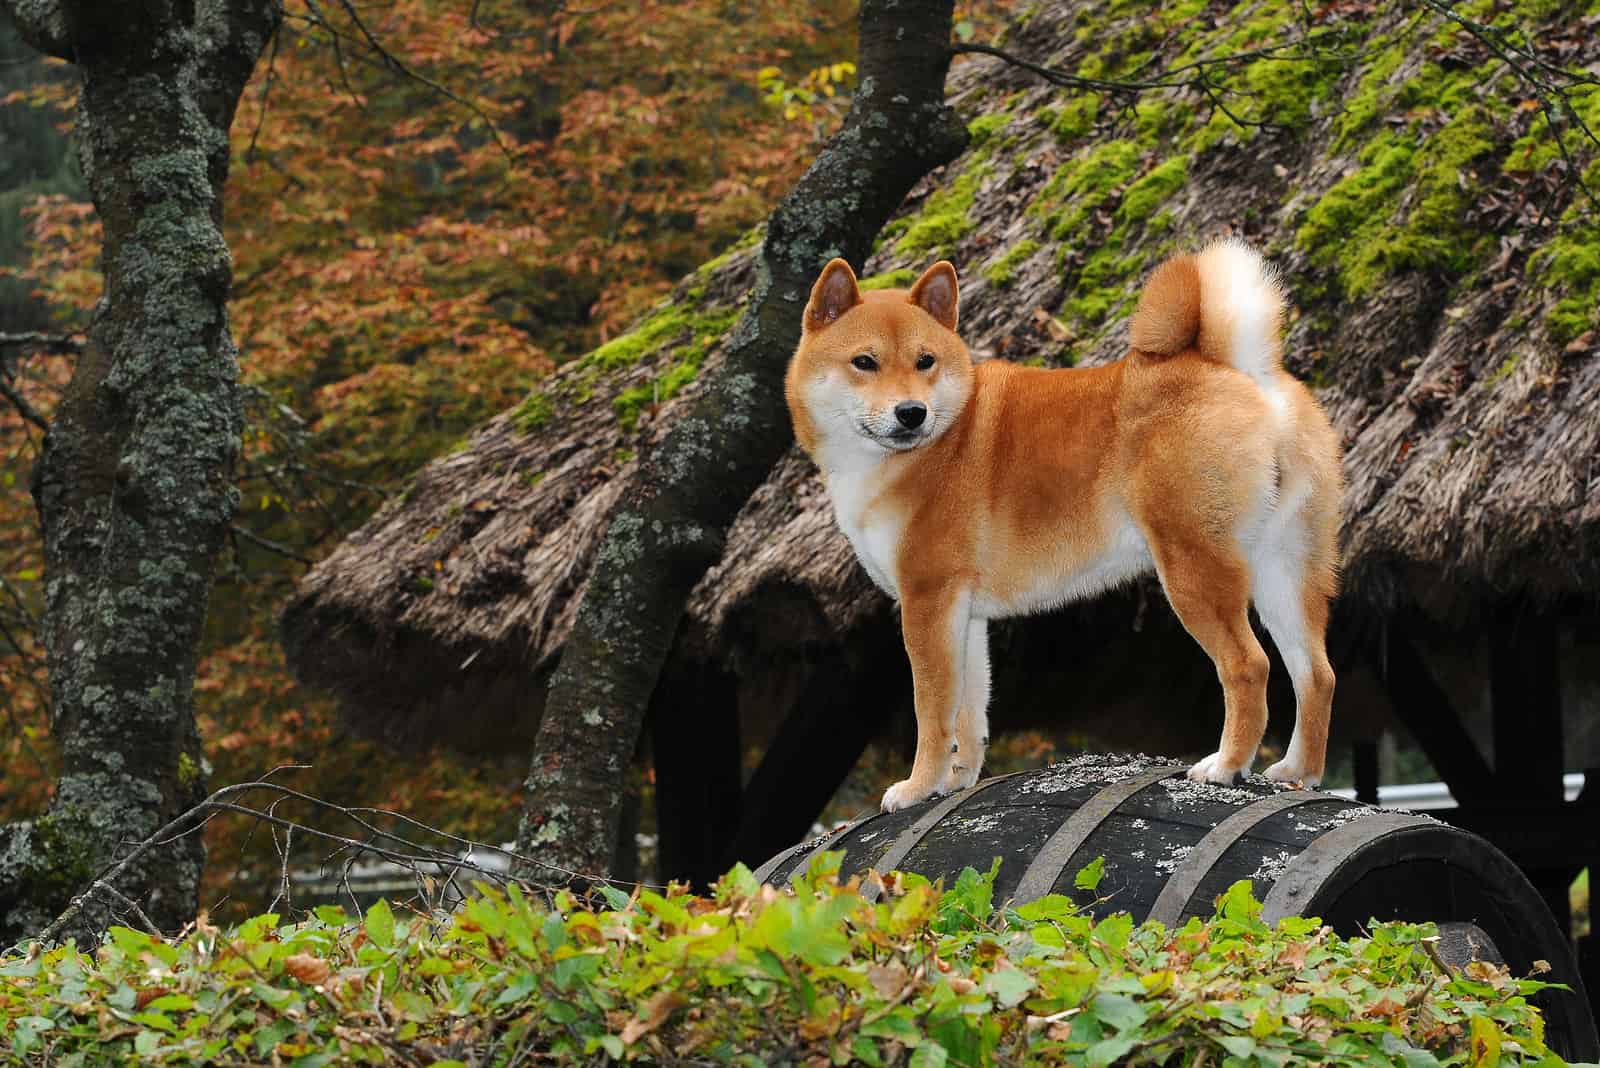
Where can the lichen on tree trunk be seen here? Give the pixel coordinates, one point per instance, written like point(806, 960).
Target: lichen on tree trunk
point(135, 486)
point(669, 527)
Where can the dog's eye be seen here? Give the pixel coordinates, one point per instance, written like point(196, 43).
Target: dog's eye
point(925, 361)
point(864, 363)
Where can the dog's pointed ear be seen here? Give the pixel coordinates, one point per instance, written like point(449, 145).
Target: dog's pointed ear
point(833, 294)
point(937, 294)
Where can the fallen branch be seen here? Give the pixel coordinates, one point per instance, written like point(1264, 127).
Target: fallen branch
point(426, 863)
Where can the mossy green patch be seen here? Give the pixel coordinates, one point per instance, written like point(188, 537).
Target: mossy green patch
point(1083, 184)
point(946, 216)
point(899, 278)
point(1145, 197)
point(1105, 286)
point(1076, 117)
point(1001, 271)
point(1569, 262)
point(534, 412)
point(668, 321)
point(1403, 209)
point(708, 330)
point(982, 128)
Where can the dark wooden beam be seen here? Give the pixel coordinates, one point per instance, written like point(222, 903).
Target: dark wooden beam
point(694, 734)
point(1364, 762)
point(1422, 705)
point(839, 712)
point(1525, 693)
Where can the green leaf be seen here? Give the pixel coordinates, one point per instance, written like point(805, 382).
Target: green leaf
point(1485, 1051)
point(929, 1054)
point(613, 1045)
point(1238, 1045)
point(1110, 1050)
point(1238, 903)
point(554, 932)
point(1009, 986)
point(380, 924)
point(1089, 876)
point(618, 900)
point(579, 969)
point(964, 30)
point(332, 915)
point(1121, 1012)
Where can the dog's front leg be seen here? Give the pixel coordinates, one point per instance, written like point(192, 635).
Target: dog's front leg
point(935, 627)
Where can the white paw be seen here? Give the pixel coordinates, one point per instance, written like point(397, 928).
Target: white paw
point(904, 794)
point(1289, 770)
point(1212, 769)
point(959, 779)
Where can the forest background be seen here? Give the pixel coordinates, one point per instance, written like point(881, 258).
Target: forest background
point(420, 232)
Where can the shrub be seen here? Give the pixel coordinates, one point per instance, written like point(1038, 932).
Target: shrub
point(752, 975)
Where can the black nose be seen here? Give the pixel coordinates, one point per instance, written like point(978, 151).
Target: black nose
point(911, 414)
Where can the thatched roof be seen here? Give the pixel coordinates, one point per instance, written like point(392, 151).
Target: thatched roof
point(1472, 425)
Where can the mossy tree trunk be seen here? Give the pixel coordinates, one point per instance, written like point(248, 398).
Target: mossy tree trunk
point(669, 526)
point(135, 487)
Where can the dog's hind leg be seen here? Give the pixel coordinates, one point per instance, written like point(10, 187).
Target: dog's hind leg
point(972, 721)
point(1209, 588)
point(1291, 594)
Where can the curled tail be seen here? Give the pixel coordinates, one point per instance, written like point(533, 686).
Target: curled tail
point(1223, 301)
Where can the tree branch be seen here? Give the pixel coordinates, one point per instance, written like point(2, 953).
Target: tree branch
point(24, 409)
point(33, 339)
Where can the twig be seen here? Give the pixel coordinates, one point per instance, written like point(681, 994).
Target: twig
point(268, 544)
point(261, 102)
point(410, 854)
point(139, 913)
point(24, 409)
point(47, 342)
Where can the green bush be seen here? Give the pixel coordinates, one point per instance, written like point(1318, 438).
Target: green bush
point(753, 976)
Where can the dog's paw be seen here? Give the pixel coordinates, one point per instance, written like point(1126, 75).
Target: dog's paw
point(906, 793)
point(959, 778)
point(1292, 771)
point(1212, 769)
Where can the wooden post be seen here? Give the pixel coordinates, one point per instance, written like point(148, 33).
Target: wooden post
point(837, 715)
point(1364, 758)
point(1525, 694)
point(694, 732)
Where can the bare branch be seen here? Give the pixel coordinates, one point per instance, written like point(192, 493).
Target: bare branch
point(268, 544)
point(387, 61)
point(33, 339)
point(425, 862)
point(24, 409)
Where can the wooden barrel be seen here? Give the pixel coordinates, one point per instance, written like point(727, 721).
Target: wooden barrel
point(1171, 846)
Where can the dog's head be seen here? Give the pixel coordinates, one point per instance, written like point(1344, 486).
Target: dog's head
point(882, 370)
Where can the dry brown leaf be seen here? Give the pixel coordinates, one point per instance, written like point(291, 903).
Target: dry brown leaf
point(148, 995)
point(1294, 954)
point(887, 979)
point(656, 1010)
point(961, 984)
point(1386, 1006)
point(812, 1028)
point(306, 968)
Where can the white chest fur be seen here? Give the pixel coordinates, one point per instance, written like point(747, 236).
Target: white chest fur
point(873, 525)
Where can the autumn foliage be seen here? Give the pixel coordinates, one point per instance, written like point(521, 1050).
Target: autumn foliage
point(428, 209)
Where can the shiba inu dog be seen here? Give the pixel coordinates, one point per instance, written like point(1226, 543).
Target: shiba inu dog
point(972, 493)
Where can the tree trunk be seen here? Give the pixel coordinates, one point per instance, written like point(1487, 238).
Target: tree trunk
point(669, 527)
point(135, 486)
